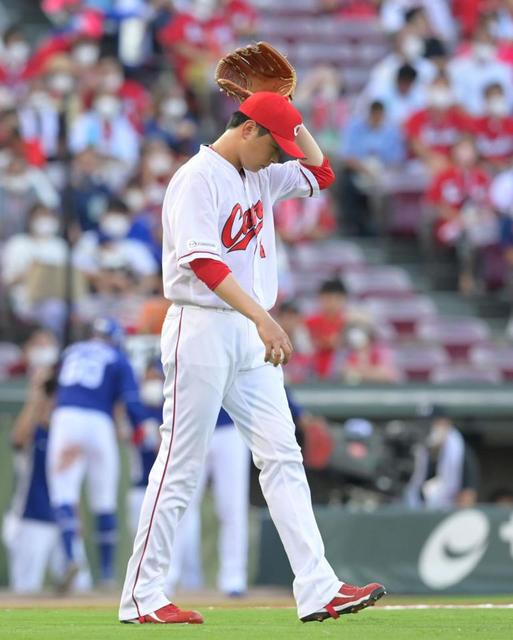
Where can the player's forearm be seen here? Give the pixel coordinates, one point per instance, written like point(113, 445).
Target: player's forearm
point(233, 294)
point(313, 153)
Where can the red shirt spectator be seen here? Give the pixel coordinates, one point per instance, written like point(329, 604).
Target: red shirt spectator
point(326, 326)
point(368, 360)
point(462, 185)
point(437, 130)
point(191, 40)
point(494, 131)
point(241, 16)
point(494, 139)
point(305, 219)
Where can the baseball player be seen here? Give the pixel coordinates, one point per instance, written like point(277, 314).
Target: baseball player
point(29, 531)
point(94, 375)
point(221, 347)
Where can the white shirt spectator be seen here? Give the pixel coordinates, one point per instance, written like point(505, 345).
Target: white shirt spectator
point(437, 11)
point(501, 192)
point(90, 256)
point(114, 136)
point(440, 491)
point(399, 106)
point(39, 120)
point(383, 75)
point(470, 76)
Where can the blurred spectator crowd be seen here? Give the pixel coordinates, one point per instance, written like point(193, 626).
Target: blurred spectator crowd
point(411, 99)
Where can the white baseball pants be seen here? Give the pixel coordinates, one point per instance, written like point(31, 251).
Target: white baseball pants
point(83, 442)
point(212, 358)
point(227, 468)
point(35, 549)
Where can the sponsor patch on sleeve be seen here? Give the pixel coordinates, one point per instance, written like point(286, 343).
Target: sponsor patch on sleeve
point(198, 245)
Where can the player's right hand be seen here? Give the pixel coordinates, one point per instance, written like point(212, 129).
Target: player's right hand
point(278, 347)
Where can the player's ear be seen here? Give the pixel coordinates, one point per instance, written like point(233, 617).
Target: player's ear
point(248, 129)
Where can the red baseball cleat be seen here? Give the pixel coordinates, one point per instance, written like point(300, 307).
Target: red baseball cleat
point(349, 599)
point(169, 614)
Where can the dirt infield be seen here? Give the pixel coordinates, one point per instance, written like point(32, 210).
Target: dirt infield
point(258, 597)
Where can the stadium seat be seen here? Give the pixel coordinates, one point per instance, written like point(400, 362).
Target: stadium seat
point(416, 362)
point(11, 355)
point(493, 355)
point(382, 282)
point(404, 315)
point(464, 373)
point(456, 334)
point(331, 256)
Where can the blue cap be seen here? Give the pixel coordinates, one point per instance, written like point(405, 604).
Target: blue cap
point(110, 329)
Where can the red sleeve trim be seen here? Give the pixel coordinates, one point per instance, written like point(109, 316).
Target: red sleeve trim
point(323, 174)
point(211, 272)
point(186, 255)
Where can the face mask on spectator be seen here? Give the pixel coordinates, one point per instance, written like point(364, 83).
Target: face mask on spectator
point(465, 155)
point(15, 184)
point(61, 83)
point(329, 92)
point(45, 226)
point(497, 106)
point(107, 107)
point(160, 164)
point(174, 108)
point(412, 47)
point(155, 193)
point(203, 9)
point(483, 51)
point(115, 225)
point(152, 392)
point(437, 436)
point(357, 338)
point(112, 81)
point(5, 158)
point(17, 54)
point(134, 199)
point(440, 98)
point(44, 356)
point(7, 100)
point(39, 99)
point(86, 55)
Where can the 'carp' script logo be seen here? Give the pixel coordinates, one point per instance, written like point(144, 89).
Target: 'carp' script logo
point(242, 226)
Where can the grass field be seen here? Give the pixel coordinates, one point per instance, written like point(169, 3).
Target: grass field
point(385, 622)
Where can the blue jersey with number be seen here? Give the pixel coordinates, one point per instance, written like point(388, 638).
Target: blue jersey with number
point(96, 375)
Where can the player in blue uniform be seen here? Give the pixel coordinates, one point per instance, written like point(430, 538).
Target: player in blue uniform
point(30, 533)
point(94, 376)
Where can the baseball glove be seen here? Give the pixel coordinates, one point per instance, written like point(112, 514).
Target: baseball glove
point(257, 67)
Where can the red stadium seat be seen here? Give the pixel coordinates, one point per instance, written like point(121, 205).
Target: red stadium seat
point(404, 315)
point(464, 373)
point(416, 362)
point(456, 334)
point(328, 257)
point(492, 355)
point(382, 282)
point(11, 355)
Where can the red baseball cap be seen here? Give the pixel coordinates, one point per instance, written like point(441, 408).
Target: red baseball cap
point(277, 114)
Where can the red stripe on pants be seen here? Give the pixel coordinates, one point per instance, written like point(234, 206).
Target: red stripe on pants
point(165, 468)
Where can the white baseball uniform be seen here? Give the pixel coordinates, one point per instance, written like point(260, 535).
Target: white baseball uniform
point(212, 357)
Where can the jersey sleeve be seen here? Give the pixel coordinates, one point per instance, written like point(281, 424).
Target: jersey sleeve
point(193, 216)
point(291, 180)
point(129, 392)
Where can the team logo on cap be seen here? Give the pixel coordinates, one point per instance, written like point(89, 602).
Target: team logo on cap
point(297, 128)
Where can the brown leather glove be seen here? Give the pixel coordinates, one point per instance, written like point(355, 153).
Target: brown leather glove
point(257, 67)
